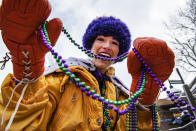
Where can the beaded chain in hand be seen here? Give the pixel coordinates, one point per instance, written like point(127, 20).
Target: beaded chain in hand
point(84, 88)
point(131, 119)
point(131, 116)
point(155, 123)
point(64, 67)
point(61, 62)
point(107, 103)
point(173, 98)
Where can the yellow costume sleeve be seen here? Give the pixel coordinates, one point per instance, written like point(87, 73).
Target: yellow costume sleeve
point(37, 105)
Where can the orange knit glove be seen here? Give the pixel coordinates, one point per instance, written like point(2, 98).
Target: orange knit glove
point(20, 22)
point(159, 57)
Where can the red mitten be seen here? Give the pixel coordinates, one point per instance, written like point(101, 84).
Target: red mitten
point(20, 22)
point(159, 57)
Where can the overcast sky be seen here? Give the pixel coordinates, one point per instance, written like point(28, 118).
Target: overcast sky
point(143, 17)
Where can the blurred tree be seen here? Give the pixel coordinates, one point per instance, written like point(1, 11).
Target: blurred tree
point(182, 33)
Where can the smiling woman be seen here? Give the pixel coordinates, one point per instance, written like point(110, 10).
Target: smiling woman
point(108, 26)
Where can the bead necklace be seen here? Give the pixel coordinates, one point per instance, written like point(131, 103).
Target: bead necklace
point(131, 116)
point(87, 89)
point(155, 118)
point(173, 98)
point(106, 118)
point(96, 96)
point(134, 119)
point(88, 93)
point(106, 113)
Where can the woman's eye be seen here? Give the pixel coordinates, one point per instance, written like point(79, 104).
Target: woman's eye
point(115, 43)
point(100, 39)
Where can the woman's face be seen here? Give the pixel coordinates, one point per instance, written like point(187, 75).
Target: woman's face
point(105, 46)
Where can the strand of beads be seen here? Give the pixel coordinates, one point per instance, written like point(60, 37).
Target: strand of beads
point(131, 110)
point(134, 118)
point(171, 95)
point(91, 54)
point(106, 113)
point(87, 89)
point(128, 121)
point(135, 95)
point(106, 117)
point(134, 109)
point(179, 102)
point(173, 98)
point(155, 118)
point(81, 85)
point(131, 119)
point(132, 115)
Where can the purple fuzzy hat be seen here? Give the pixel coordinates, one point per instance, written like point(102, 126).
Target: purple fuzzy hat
point(108, 26)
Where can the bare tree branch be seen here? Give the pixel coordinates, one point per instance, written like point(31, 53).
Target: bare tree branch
point(182, 32)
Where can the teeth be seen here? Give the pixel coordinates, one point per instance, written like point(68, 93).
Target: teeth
point(104, 55)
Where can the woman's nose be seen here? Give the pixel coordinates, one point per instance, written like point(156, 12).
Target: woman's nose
point(106, 45)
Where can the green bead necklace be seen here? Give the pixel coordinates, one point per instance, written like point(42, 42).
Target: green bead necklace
point(88, 88)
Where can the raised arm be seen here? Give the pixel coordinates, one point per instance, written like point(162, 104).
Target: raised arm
point(20, 22)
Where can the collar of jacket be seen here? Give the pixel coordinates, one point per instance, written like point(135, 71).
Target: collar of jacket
point(88, 65)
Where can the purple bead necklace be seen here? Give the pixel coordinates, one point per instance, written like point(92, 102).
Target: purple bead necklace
point(95, 96)
point(155, 122)
point(87, 89)
point(173, 98)
point(131, 117)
